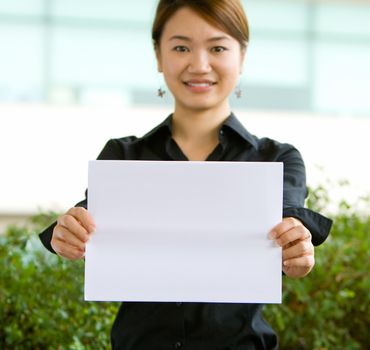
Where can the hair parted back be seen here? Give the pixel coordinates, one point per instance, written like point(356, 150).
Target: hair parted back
point(227, 15)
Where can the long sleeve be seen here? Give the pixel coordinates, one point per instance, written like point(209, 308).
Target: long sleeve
point(110, 151)
point(295, 192)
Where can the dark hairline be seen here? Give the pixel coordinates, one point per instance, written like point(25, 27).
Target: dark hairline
point(156, 42)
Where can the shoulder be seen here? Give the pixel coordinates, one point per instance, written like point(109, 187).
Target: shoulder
point(134, 148)
point(277, 151)
point(119, 148)
point(266, 149)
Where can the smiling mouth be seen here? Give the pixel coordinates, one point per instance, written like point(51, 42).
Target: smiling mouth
point(202, 84)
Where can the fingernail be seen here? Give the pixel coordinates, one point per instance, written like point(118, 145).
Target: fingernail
point(92, 229)
point(272, 235)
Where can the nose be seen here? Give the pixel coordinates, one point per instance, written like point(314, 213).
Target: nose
point(199, 63)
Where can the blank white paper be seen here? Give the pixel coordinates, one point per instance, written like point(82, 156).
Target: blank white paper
point(184, 231)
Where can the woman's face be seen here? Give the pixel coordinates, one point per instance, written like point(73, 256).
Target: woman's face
point(201, 64)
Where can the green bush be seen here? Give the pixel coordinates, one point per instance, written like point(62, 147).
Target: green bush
point(41, 297)
point(330, 308)
point(42, 307)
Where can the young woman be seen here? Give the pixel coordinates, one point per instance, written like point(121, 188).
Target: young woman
point(200, 46)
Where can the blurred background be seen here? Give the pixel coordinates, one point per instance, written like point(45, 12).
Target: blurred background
point(74, 73)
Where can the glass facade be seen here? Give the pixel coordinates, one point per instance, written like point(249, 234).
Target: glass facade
point(304, 55)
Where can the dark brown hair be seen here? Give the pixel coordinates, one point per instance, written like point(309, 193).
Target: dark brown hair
point(227, 15)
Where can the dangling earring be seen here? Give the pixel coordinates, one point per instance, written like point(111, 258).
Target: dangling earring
point(238, 91)
point(160, 92)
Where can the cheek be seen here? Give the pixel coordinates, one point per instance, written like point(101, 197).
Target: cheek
point(172, 68)
point(230, 69)
point(231, 74)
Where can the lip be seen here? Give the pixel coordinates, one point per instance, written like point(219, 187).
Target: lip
point(199, 85)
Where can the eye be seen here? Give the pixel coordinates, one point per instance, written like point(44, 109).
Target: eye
point(219, 49)
point(180, 48)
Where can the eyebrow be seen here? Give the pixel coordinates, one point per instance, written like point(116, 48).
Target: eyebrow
point(185, 38)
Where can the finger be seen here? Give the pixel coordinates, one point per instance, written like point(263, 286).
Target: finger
point(298, 233)
point(300, 249)
point(285, 225)
point(84, 217)
point(68, 251)
point(72, 225)
point(302, 261)
point(63, 234)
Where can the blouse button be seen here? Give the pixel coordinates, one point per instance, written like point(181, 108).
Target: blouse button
point(178, 345)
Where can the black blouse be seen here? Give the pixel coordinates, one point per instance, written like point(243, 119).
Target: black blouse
point(203, 326)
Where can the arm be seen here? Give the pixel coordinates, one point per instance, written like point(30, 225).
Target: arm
point(301, 228)
point(68, 235)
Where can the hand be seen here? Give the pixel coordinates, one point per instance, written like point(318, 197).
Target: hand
point(298, 250)
point(72, 232)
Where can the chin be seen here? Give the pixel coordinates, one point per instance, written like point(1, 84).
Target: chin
point(199, 107)
point(200, 103)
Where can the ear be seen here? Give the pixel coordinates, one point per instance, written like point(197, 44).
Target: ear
point(159, 59)
point(243, 52)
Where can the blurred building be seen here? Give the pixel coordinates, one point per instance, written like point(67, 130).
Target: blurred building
point(304, 55)
point(76, 72)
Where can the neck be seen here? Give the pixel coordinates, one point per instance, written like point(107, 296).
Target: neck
point(198, 127)
point(196, 132)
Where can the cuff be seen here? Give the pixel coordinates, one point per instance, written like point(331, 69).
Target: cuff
point(317, 224)
point(46, 235)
